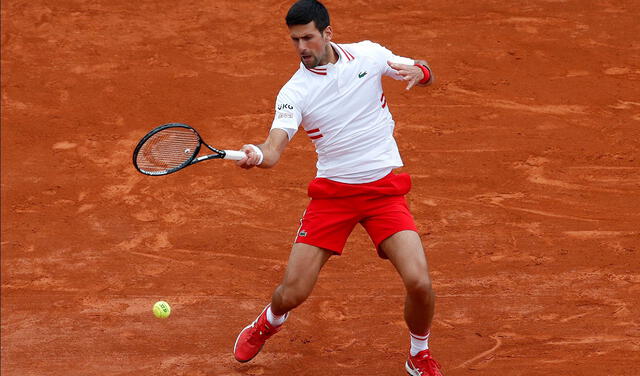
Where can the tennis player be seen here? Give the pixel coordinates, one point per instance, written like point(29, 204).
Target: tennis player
point(336, 95)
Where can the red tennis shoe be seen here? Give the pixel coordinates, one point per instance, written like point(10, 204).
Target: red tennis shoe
point(252, 338)
point(422, 364)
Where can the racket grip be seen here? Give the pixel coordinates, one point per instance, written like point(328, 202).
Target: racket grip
point(234, 155)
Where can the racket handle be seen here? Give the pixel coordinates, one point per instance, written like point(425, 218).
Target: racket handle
point(234, 155)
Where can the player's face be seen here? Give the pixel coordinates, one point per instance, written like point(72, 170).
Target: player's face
point(312, 46)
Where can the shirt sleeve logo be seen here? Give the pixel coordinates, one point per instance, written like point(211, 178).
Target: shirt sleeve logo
point(282, 106)
point(285, 115)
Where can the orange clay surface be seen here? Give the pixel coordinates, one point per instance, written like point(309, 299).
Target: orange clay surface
point(525, 159)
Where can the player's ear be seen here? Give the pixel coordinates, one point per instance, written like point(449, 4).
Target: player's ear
point(328, 33)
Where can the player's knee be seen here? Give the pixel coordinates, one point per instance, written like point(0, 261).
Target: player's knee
point(294, 295)
point(419, 285)
point(292, 300)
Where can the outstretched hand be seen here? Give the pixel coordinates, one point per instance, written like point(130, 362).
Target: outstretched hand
point(409, 73)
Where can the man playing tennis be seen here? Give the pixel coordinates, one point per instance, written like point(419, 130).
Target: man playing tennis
point(337, 96)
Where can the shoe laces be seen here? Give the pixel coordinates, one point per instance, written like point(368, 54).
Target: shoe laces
point(427, 363)
point(259, 333)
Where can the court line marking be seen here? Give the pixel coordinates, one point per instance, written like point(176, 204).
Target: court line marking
point(484, 354)
point(532, 211)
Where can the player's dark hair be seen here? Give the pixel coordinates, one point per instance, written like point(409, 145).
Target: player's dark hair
point(305, 11)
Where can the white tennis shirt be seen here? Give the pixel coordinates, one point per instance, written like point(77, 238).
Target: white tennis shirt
point(343, 110)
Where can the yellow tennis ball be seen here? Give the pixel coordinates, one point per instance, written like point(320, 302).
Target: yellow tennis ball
point(161, 309)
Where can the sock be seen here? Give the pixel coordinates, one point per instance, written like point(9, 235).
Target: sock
point(419, 343)
point(275, 320)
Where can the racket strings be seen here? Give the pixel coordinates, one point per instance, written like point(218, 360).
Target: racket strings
point(168, 149)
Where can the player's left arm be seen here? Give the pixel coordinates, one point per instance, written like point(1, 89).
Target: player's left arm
point(419, 74)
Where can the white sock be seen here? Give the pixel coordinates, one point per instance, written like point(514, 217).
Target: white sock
point(419, 343)
point(274, 319)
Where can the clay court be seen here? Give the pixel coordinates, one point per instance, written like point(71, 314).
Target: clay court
point(525, 159)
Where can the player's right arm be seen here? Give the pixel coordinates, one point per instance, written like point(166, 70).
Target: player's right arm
point(271, 150)
point(287, 119)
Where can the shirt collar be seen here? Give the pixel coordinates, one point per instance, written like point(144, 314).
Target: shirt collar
point(344, 56)
point(343, 53)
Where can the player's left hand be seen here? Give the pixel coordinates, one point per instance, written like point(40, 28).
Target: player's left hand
point(409, 73)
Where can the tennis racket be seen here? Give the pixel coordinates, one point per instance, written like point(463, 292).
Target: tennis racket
point(172, 147)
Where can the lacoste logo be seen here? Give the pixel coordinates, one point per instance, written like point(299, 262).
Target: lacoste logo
point(362, 74)
point(303, 233)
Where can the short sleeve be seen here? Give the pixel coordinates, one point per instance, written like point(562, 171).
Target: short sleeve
point(383, 55)
point(288, 114)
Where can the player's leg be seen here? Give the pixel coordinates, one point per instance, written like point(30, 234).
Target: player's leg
point(323, 232)
point(325, 226)
point(404, 250)
point(301, 274)
point(392, 229)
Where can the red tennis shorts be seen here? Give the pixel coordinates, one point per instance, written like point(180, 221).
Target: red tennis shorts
point(336, 208)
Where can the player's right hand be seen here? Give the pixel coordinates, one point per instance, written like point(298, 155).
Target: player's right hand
point(250, 160)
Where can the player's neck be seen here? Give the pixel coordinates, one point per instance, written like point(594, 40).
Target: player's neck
point(331, 56)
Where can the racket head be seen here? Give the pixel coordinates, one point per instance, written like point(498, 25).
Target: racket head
point(166, 149)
